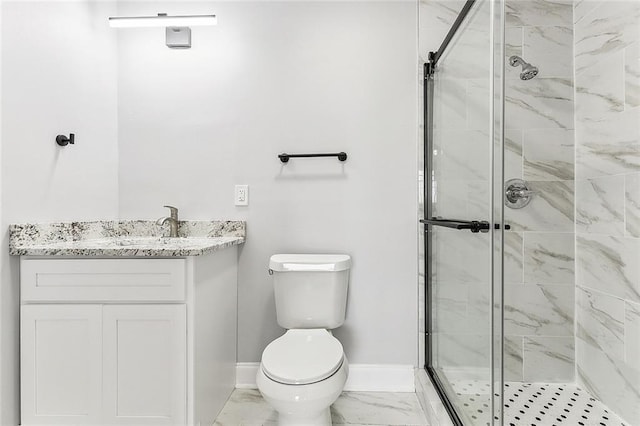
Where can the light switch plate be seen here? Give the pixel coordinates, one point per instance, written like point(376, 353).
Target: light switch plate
point(242, 195)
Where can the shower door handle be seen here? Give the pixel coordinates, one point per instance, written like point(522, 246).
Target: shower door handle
point(474, 226)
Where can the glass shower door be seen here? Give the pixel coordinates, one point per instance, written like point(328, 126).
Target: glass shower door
point(462, 224)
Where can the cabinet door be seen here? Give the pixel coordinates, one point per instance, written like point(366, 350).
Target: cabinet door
point(144, 366)
point(61, 364)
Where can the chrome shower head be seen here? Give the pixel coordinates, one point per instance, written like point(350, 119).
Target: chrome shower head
point(528, 71)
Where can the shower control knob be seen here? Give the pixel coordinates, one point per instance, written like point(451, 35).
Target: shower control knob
point(517, 194)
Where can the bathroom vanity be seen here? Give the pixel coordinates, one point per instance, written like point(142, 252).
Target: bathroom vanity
point(119, 327)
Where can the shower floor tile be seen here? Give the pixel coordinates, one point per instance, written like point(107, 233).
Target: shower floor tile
point(247, 408)
point(539, 404)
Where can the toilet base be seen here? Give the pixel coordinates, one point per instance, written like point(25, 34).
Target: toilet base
point(303, 405)
point(323, 419)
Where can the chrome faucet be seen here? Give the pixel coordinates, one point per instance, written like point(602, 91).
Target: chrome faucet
point(172, 219)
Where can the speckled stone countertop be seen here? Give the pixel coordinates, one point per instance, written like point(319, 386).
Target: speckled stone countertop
point(137, 238)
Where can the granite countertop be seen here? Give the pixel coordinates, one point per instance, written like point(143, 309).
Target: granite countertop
point(123, 238)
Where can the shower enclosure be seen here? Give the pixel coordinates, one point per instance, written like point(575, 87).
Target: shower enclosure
point(532, 210)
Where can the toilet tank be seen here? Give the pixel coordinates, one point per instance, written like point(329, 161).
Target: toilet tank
point(310, 289)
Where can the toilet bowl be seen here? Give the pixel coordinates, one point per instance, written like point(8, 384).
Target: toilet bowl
point(301, 374)
point(304, 371)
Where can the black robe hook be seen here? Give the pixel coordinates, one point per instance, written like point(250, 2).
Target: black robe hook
point(62, 140)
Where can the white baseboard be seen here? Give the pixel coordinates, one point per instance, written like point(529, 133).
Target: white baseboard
point(246, 375)
point(362, 377)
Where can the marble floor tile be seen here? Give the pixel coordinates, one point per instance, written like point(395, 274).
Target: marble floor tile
point(246, 407)
point(430, 401)
point(377, 408)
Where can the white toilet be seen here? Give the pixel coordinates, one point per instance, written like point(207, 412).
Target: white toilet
point(304, 371)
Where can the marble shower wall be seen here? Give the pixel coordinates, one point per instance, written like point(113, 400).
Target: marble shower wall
point(539, 148)
point(607, 74)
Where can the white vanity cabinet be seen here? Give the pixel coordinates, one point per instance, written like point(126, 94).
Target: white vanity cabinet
point(127, 341)
point(104, 364)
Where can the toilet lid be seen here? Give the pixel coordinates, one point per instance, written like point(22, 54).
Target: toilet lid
point(302, 356)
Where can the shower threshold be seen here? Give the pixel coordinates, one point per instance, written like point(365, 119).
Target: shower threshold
point(536, 404)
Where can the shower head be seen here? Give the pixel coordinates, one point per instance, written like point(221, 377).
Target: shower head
point(528, 71)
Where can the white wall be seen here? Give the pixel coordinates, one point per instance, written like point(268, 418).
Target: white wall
point(59, 67)
point(8, 358)
point(58, 75)
point(295, 77)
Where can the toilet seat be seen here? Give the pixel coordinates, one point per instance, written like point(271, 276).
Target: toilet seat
point(302, 357)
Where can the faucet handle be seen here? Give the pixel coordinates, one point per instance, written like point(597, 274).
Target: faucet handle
point(174, 212)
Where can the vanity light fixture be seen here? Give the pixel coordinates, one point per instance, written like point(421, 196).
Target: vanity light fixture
point(162, 20)
point(177, 28)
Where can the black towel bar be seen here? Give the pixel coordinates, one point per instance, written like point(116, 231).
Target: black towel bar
point(284, 157)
